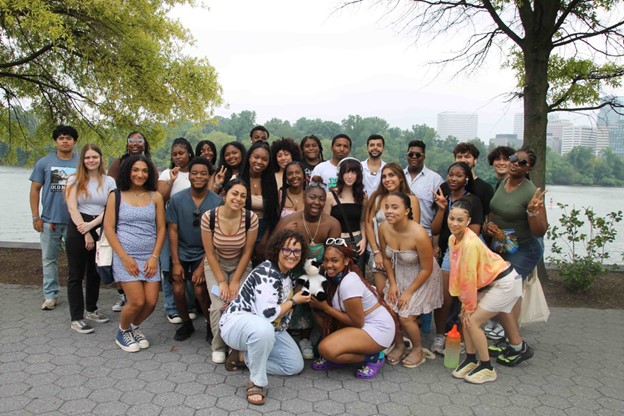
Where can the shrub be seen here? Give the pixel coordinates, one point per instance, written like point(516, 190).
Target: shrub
point(581, 255)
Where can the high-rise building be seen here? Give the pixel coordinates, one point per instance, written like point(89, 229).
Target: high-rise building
point(612, 119)
point(573, 136)
point(519, 126)
point(462, 126)
point(510, 140)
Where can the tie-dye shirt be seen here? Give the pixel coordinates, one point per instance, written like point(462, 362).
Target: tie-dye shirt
point(473, 266)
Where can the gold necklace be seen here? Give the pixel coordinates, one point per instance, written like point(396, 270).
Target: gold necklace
point(138, 195)
point(318, 226)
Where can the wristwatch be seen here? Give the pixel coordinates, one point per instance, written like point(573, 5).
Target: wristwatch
point(292, 300)
point(36, 218)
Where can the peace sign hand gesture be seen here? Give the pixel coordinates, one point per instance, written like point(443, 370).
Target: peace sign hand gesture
point(440, 199)
point(537, 202)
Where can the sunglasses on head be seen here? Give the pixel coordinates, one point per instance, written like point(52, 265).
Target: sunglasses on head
point(196, 214)
point(416, 155)
point(136, 141)
point(336, 242)
point(520, 162)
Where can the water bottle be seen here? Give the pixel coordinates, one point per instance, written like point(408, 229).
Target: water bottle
point(452, 348)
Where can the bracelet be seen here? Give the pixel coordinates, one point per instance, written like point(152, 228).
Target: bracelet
point(156, 257)
point(217, 185)
point(532, 214)
point(375, 252)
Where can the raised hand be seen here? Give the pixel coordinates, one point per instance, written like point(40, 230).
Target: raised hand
point(440, 199)
point(537, 202)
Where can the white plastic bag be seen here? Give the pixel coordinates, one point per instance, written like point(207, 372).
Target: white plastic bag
point(534, 307)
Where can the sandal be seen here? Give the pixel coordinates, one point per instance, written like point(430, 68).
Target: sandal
point(232, 362)
point(408, 361)
point(392, 357)
point(253, 390)
point(369, 370)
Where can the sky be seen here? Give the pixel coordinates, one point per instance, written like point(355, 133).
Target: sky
point(292, 58)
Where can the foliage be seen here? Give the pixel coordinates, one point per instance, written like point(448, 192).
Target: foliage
point(104, 66)
point(581, 252)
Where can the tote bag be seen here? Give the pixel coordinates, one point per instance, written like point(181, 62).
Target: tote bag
point(534, 307)
point(103, 250)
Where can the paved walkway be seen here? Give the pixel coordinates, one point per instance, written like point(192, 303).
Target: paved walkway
point(45, 368)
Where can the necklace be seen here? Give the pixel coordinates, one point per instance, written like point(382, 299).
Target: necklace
point(138, 195)
point(318, 225)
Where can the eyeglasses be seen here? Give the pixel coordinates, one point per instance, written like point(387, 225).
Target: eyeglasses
point(516, 159)
point(136, 141)
point(196, 214)
point(336, 242)
point(287, 252)
point(416, 155)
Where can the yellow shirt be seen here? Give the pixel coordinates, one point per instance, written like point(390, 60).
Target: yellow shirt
point(473, 266)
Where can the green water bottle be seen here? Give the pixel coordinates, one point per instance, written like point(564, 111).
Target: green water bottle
point(452, 348)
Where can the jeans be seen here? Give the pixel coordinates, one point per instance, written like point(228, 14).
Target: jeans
point(228, 267)
point(51, 242)
point(266, 351)
point(526, 258)
point(81, 260)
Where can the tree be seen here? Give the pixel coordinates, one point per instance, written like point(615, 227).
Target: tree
point(105, 66)
point(564, 52)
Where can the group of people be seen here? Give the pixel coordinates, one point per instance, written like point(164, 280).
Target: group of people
point(229, 237)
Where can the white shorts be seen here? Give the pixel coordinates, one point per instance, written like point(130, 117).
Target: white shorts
point(502, 294)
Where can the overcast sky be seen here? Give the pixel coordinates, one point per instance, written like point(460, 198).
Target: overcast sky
point(291, 58)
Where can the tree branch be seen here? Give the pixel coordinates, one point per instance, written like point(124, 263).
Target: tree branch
point(501, 25)
point(28, 58)
point(566, 40)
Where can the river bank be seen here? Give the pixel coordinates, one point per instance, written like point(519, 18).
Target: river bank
point(19, 265)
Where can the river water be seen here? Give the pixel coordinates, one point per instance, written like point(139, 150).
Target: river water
point(16, 223)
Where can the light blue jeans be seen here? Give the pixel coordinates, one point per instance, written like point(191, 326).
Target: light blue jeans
point(51, 243)
point(266, 351)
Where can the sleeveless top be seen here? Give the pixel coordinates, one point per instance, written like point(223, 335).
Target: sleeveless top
point(353, 212)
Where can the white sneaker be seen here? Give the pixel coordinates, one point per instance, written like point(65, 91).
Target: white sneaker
point(438, 344)
point(49, 304)
point(117, 307)
point(218, 357)
point(192, 316)
point(81, 327)
point(496, 332)
point(306, 349)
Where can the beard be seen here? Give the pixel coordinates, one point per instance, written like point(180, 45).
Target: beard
point(370, 155)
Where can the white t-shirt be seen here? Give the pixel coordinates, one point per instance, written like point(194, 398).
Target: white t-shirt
point(351, 286)
point(328, 172)
point(371, 182)
point(180, 184)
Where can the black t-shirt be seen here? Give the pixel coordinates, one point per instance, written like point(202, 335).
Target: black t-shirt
point(476, 217)
point(481, 189)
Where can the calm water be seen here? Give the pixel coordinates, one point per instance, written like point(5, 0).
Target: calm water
point(16, 224)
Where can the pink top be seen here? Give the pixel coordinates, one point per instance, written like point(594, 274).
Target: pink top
point(473, 266)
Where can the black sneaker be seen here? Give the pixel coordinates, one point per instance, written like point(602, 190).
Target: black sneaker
point(512, 358)
point(184, 331)
point(498, 347)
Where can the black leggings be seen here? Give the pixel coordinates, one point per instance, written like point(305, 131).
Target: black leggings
point(81, 261)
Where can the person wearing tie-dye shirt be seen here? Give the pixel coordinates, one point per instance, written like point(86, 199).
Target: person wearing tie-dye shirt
point(487, 286)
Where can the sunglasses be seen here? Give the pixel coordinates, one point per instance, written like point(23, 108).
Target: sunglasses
point(336, 242)
point(321, 185)
point(416, 155)
point(296, 252)
point(520, 162)
point(136, 141)
point(196, 215)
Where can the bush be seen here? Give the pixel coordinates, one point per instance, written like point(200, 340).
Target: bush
point(583, 260)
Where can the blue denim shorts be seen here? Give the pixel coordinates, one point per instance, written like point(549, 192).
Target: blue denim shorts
point(526, 258)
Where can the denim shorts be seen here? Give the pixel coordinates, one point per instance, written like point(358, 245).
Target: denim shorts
point(526, 258)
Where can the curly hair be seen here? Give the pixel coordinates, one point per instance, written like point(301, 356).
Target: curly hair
point(287, 144)
point(270, 199)
point(466, 147)
point(280, 239)
point(124, 182)
point(351, 165)
point(499, 151)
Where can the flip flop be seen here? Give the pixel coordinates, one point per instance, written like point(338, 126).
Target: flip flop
point(253, 390)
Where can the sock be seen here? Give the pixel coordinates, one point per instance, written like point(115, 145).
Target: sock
point(471, 358)
point(124, 330)
point(120, 291)
point(483, 364)
point(516, 348)
point(372, 358)
point(133, 326)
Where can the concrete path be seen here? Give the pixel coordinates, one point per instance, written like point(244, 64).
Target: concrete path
point(46, 368)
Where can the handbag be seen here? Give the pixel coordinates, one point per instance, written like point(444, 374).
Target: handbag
point(506, 242)
point(356, 256)
point(534, 306)
point(103, 249)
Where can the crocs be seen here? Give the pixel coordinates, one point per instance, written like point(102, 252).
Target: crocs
point(322, 364)
point(369, 370)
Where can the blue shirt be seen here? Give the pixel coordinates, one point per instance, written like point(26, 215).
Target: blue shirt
point(181, 210)
point(52, 173)
point(423, 186)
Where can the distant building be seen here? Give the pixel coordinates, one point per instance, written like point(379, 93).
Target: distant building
point(510, 140)
point(463, 126)
point(612, 120)
point(573, 136)
point(518, 128)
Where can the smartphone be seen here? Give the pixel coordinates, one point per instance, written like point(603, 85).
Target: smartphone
point(215, 290)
